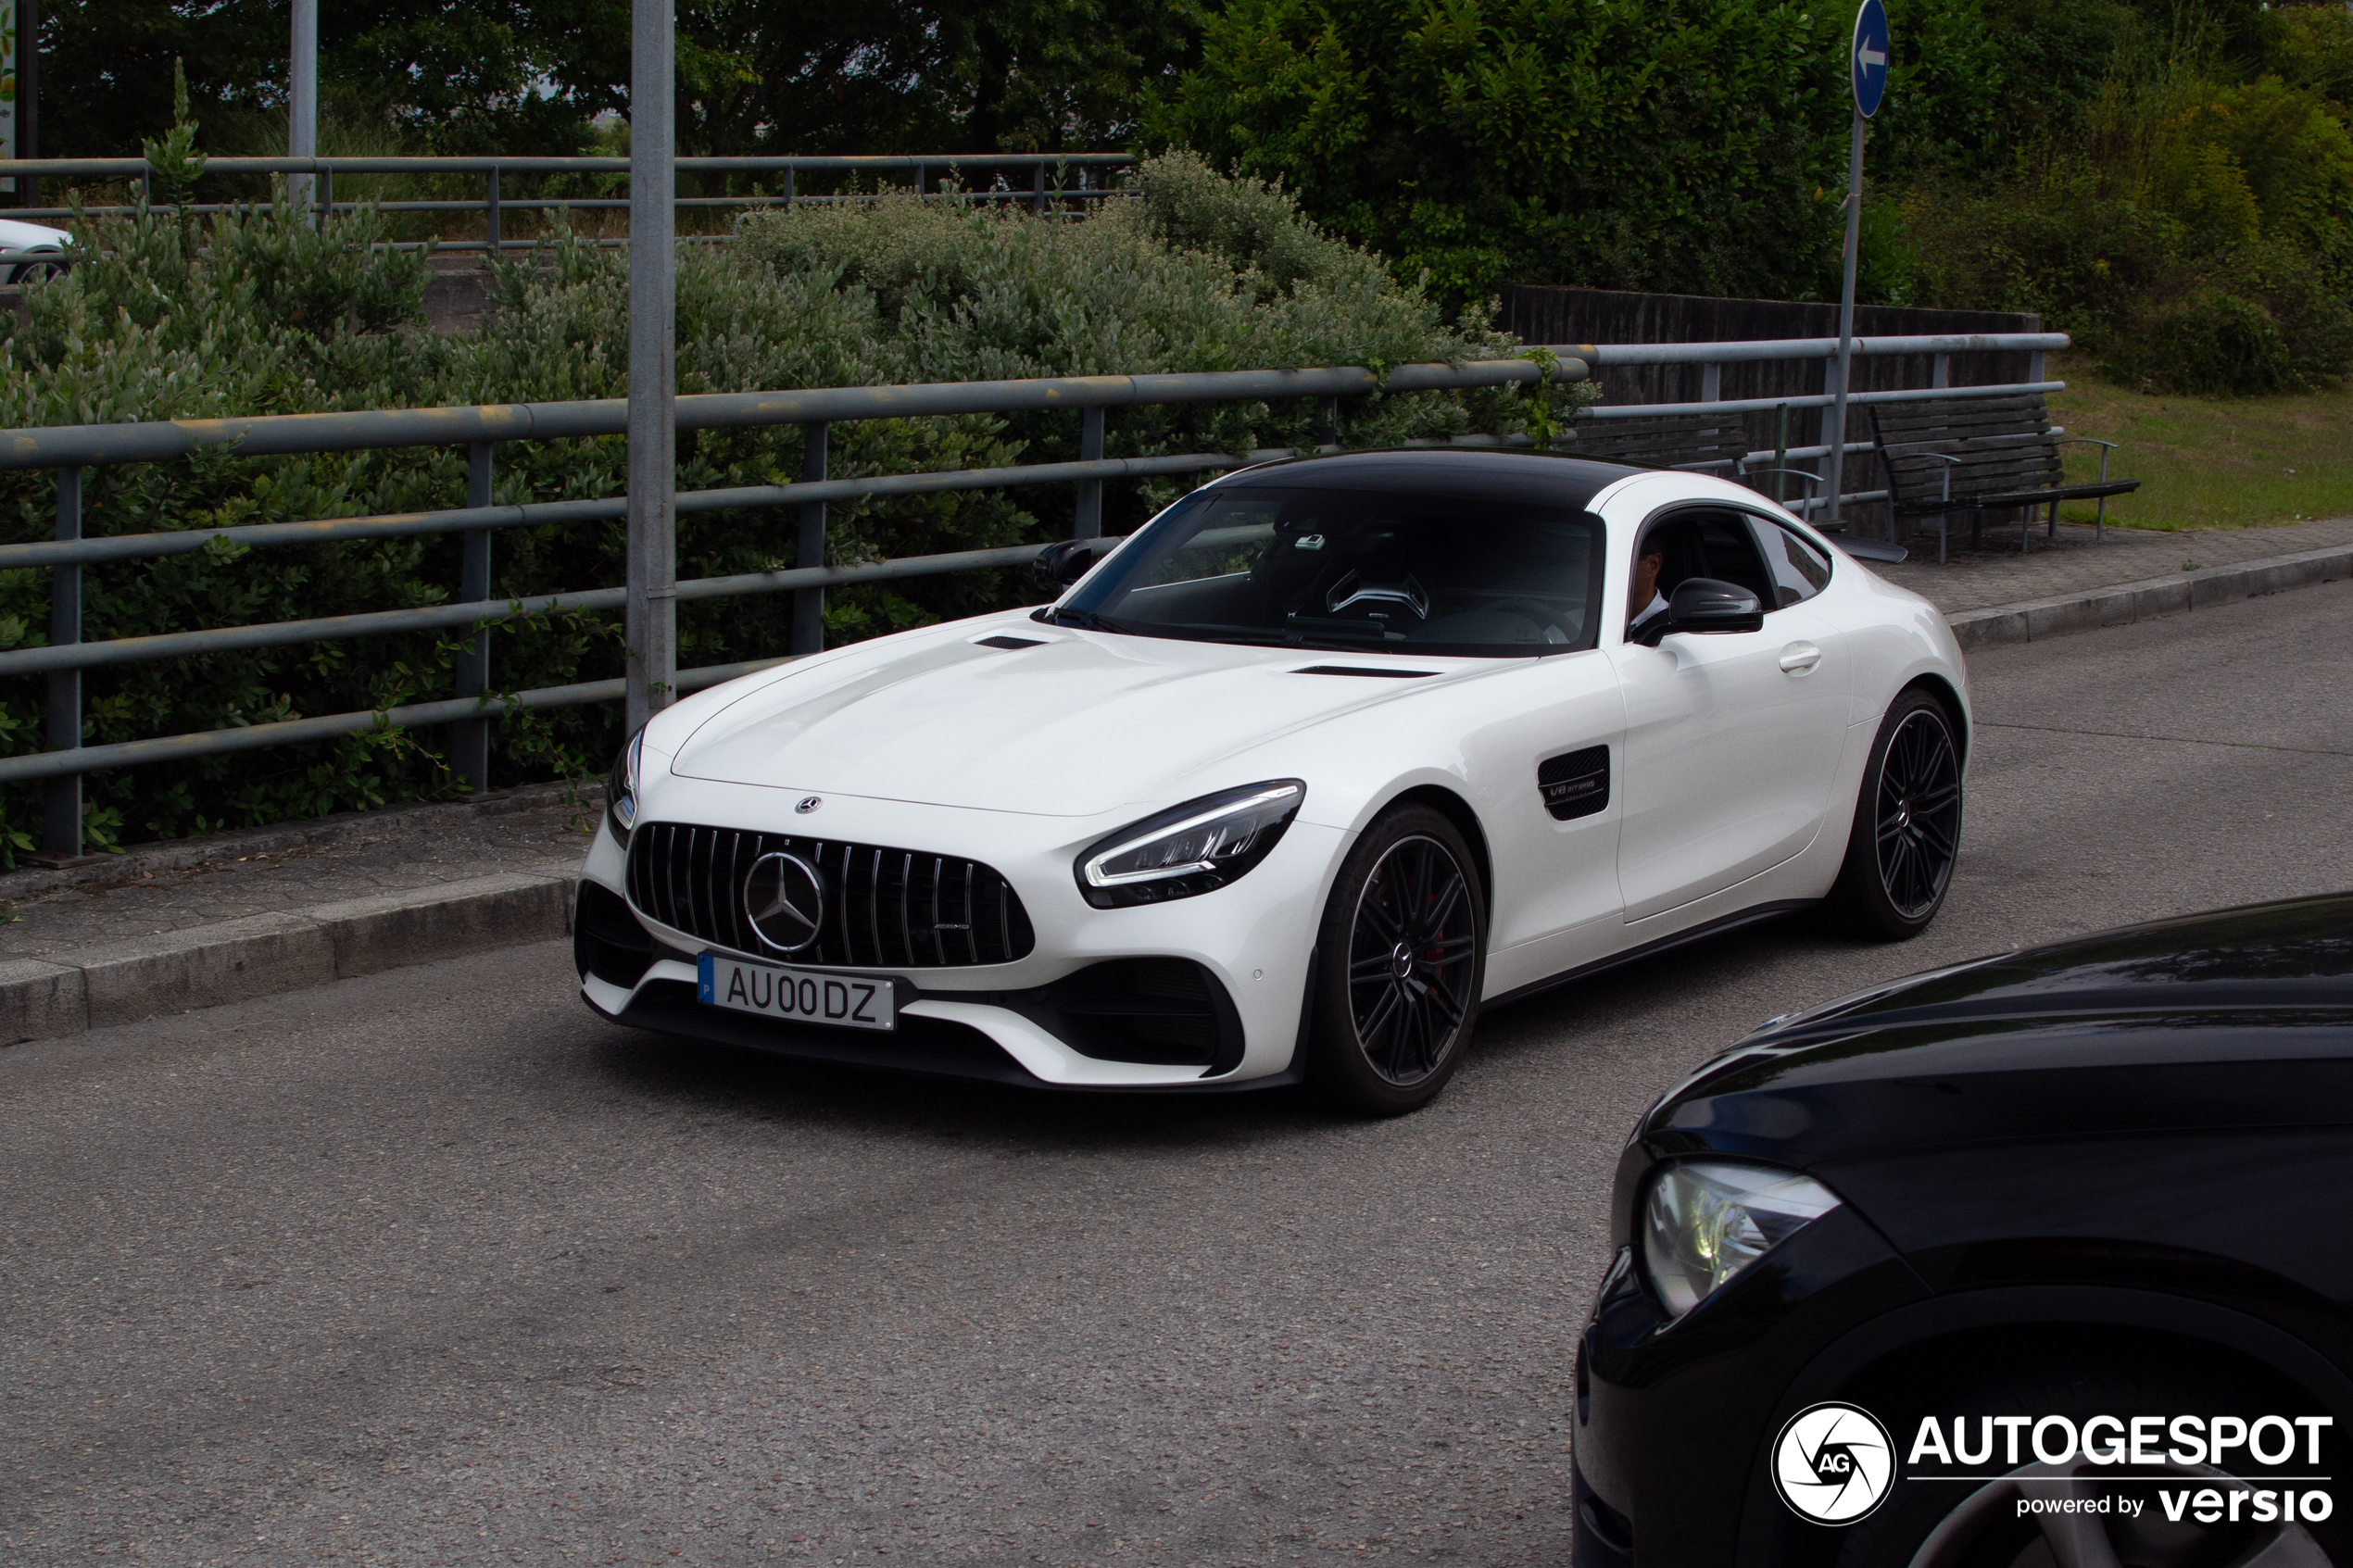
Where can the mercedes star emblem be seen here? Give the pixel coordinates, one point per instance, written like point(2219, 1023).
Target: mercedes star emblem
point(810, 803)
point(786, 901)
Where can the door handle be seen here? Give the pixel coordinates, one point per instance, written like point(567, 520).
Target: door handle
point(1799, 659)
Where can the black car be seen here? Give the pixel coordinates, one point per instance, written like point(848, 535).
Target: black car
point(2046, 1259)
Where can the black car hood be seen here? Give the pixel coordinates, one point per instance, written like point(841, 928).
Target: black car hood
point(2146, 1028)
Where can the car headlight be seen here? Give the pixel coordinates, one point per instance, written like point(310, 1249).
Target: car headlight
point(1189, 850)
point(621, 788)
point(1707, 1220)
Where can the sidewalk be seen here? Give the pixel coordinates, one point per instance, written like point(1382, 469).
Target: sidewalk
point(2072, 564)
point(183, 924)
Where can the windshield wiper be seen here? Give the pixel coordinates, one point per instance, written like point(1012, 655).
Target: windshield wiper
point(1089, 621)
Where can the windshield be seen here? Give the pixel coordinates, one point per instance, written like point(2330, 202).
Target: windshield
point(1459, 575)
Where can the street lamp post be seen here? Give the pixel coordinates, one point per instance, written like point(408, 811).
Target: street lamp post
point(651, 615)
point(302, 96)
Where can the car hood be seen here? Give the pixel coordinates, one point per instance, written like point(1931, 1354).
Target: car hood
point(2236, 1018)
point(1079, 723)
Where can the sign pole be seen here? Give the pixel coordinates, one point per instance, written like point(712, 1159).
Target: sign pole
point(1867, 74)
point(1836, 473)
point(651, 614)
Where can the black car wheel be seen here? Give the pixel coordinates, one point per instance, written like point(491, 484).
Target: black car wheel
point(1907, 823)
point(1401, 957)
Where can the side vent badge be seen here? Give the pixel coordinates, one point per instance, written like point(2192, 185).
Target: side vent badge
point(1575, 785)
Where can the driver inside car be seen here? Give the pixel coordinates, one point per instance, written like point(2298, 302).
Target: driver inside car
point(1644, 602)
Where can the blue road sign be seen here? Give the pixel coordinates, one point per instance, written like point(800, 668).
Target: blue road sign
point(1867, 63)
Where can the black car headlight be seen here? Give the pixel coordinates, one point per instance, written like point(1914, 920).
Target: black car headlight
point(621, 788)
point(1707, 1219)
point(1189, 850)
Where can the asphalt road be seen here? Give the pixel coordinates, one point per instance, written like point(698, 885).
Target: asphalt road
point(434, 1267)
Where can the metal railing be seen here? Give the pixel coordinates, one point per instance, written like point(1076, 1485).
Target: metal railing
point(1711, 358)
point(1046, 178)
point(68, 450)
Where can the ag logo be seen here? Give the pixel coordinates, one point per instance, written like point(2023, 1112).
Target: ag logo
point(1833, 1463)
point(786, 901)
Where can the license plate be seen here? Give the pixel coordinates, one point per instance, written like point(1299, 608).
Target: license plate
point(805, 996)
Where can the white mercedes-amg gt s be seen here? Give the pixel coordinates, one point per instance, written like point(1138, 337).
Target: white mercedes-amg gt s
point(1302, 773)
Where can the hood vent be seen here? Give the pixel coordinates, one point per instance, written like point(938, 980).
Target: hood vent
point(1001, 641)
point(1374, 670)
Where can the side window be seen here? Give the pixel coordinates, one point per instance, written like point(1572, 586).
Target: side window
point(1703, 542)
point(1798, 569)
point(1731, 555)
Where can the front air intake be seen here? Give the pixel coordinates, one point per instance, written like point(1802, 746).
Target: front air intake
point(879, 907)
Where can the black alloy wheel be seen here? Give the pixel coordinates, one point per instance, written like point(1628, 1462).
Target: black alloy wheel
point(1400, 960)
point(1907, 823)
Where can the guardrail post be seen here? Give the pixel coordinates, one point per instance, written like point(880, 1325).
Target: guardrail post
point(1328, 422)
point(1831, 424)
point(469, 738)
point(1091, 491)
point(809, 604)
point(1781, 451)
point(490, 226)
point(1038, 187)
point(61, 814)
point(1711, 384)
point(2034, 365)
point(919, 178)
point(1939, 370)
point(787, 190)
point(326, 196)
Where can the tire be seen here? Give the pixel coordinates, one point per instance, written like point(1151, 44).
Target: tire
point(1401, 956)
point(1907, 824)
point(1975, 1524)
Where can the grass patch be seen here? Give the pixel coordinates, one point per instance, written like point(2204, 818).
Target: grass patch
point(2207, 463)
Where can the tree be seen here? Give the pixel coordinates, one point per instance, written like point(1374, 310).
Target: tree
point(1694, 145)
point(525, 76)
point(449, 75)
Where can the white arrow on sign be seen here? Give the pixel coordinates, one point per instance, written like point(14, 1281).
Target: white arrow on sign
point(1871, 58)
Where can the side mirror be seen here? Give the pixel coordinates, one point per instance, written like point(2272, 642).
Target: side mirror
point(1702, 604)
point(1066, 561)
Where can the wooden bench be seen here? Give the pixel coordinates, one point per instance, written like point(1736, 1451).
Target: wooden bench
point(1705, 443)
point(1978, 455)
point(1714, 444)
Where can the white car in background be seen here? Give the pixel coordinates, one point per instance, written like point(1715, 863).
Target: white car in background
point(1330, 754)
point(25, 243)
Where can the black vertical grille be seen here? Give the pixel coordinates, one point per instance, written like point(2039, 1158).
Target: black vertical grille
point(885, 908)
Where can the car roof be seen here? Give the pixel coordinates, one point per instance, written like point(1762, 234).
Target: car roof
point(1526, 478)
point(17, 234)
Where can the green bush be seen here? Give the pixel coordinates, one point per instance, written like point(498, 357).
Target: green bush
point(259, 313)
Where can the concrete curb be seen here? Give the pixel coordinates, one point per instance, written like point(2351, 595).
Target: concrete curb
point(2124, 603)
point(206, 965)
